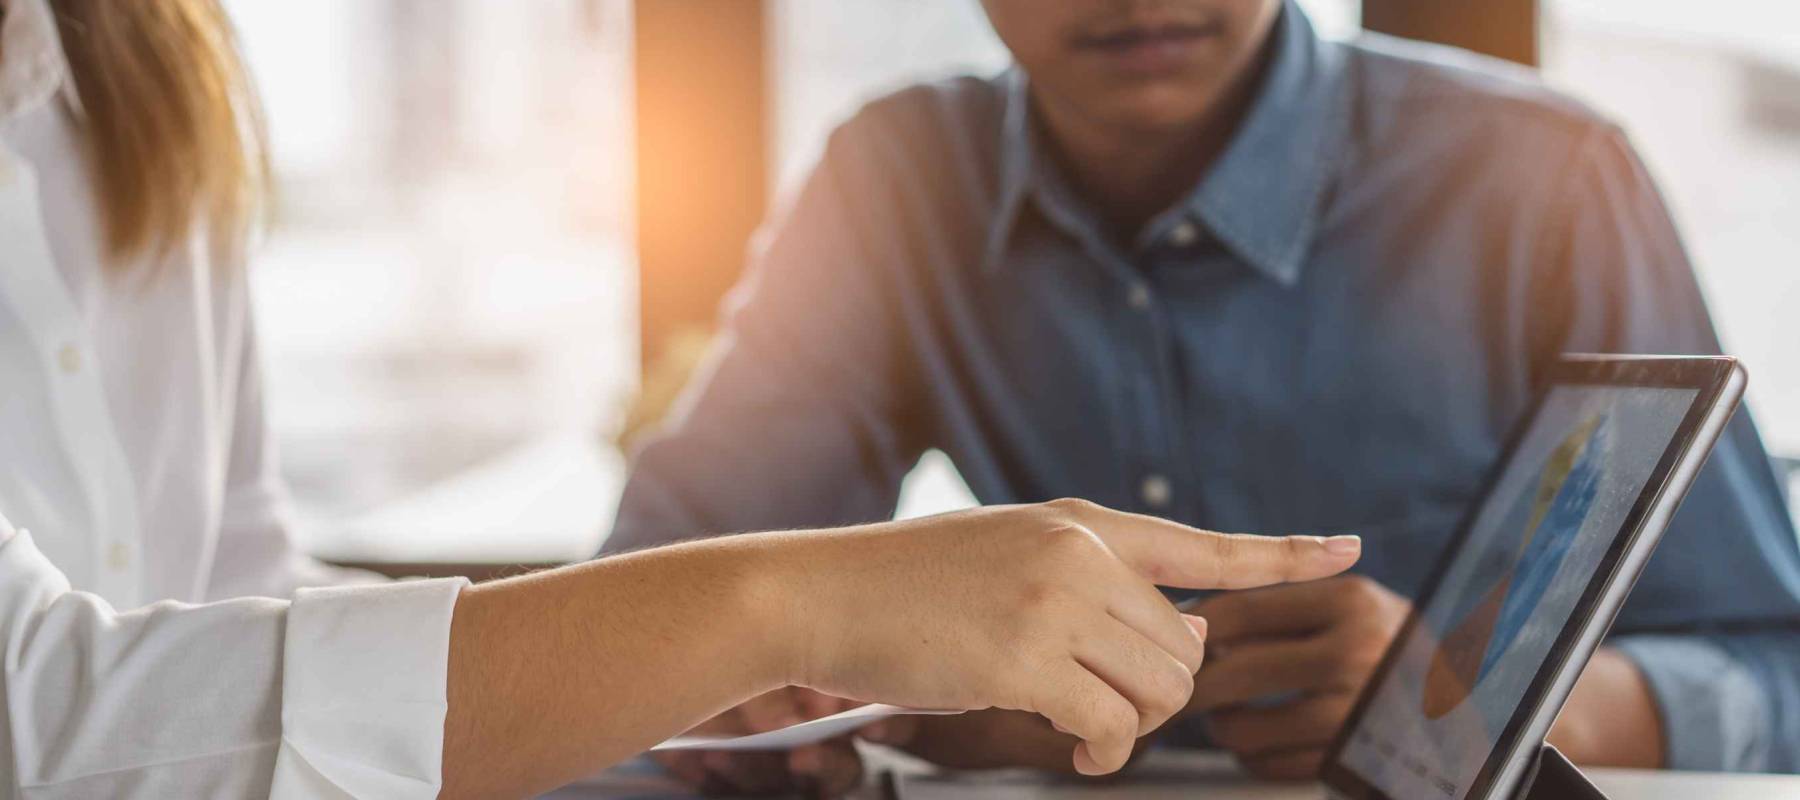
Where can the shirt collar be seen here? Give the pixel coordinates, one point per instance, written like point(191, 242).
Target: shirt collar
point(1015, 164)
point(33, 68)
point(1262, 198)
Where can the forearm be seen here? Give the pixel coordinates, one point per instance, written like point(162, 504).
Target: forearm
point(556, 675)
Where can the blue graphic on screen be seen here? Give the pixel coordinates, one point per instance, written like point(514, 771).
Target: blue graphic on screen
point(1485, 621)
point(1548, 544)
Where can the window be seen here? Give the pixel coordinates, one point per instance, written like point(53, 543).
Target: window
point(448, 275)
point(1710, 95)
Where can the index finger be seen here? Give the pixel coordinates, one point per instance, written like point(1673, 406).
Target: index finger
point(1172, 554)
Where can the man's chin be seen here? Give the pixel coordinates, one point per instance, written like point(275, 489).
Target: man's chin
point(1159, 111)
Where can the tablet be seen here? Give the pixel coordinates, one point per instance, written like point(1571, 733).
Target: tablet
point(1460, 704)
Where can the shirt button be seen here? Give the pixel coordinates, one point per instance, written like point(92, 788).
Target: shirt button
point(69, 357)
point(118, 556)
point(1184, 235)
point(1155, 491)
point(1138, 296)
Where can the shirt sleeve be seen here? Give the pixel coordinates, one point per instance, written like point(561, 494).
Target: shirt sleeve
point(794, 417)
point(256, 555)
point(340, 693)
point(1700, 686)
point(1714, 623)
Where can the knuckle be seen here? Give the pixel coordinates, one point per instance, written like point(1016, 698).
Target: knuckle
point(1394, 610)
point(1171, 695)
point(1356, 585)
point(1364, 659)
point(1226, 549)
point(1343, 659)
point(1328, 716)
point(1183, 697)
point(1334, 658)
point(1069, 545)
point(1192, 655)
point(1363, 595)
point(1355, 656)
point(1118, 721)
point(1072, 506)
point(1293, 553)
point(1158, 574)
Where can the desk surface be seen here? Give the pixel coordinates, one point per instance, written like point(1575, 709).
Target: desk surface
point(1174, 775)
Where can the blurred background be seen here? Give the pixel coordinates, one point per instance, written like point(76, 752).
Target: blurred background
point(503, 227)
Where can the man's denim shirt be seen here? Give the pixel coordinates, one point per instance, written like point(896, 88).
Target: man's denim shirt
point(1334, 331)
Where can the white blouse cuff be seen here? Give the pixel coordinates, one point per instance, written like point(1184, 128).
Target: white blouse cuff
point(364, 691)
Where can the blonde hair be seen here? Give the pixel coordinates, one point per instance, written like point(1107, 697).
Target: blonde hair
point(173, 126)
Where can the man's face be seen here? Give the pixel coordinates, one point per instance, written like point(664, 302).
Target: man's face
point(1134, 64)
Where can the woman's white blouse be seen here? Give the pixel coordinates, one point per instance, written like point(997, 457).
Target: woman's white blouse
point(134, 449)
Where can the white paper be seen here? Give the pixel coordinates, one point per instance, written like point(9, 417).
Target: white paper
point(793, 736)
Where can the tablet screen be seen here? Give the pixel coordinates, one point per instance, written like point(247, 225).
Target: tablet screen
point(1555, 510)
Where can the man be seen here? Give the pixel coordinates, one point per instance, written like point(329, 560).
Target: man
point(1190, 259)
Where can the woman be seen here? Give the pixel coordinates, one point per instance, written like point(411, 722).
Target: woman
point(131, 165)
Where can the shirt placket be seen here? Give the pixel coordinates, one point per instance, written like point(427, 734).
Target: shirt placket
point(82, 419)
point(1148, 382)
point(1170, 483)
point(1145, 356)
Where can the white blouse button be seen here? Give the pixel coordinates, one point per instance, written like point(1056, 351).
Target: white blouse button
point(1155, 491)
point(118, 556)
point(69, 358)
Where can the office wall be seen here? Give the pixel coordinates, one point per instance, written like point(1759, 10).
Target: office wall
point(1714, 108)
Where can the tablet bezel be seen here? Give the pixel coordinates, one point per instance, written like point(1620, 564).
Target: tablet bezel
point(1719, 383)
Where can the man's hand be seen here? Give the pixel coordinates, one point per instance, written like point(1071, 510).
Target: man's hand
point(1050, 609)
point(827, 769)
point(1305, 650)
point(1287, 663)
point(989, 739)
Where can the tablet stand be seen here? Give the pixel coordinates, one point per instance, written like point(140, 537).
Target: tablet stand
point(1552, 777)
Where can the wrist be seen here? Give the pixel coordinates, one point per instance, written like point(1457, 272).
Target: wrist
point(784, 605)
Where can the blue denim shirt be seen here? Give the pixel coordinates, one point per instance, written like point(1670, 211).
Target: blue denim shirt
point(1333, 332)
